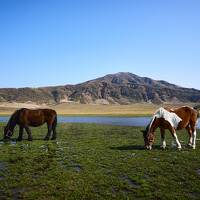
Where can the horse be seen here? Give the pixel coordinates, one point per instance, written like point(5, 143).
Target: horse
point(26, 117)
point(187, 118)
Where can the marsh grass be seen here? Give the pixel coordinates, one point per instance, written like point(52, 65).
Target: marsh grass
point(74, 109)
point(90, 161)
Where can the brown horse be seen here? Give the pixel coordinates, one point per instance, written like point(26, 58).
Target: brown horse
point(188, 120)
point(26, 117)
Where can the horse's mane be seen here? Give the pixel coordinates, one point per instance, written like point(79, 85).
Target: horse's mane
point(148, 126)
point(146, 130)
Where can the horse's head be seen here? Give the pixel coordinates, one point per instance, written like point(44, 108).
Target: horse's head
point(148, 139)
point(7, 132)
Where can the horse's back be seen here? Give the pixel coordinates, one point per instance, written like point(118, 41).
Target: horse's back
point(187, 114)
point(49, 114)
point(46, 111)
point(185, 111)
point(36, 117)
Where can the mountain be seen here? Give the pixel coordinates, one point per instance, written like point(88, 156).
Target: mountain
point(120, 88)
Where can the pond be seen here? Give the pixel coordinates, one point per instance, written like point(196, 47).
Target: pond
point(119, 121)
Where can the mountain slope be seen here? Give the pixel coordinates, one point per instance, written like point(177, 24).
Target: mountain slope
point(120, 88)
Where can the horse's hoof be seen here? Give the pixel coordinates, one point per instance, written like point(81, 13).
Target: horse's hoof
point(179, 148)
point(30, 139)
point(189, 145)
point(163, 147)
point(193, 146)
point(46, 138)
point(53, 138)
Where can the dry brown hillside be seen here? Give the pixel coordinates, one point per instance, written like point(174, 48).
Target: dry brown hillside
point(121, 88)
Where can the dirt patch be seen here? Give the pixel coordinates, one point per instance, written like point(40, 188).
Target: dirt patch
point(2, 166)
point(2, 195)
point(131, 182)
point(13, 142)
point(24, 147)
point(156, 159)
point(76, 167)
point(17, 193)
point(44, 148)
point(198, 171)
point(1, 143)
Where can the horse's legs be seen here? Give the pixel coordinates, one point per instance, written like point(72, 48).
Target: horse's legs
point(29, 133)
point(21, 130)
point(176, 140)
point(49, 127)
point(173, 132)
point(189, 130)
point(163, 143)
point(194, 133)
point(194, 139)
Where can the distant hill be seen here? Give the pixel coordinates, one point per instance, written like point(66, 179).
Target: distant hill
point(120, 88)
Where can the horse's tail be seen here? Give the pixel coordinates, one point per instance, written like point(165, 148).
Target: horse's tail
point(197, 108)
point(55, 122)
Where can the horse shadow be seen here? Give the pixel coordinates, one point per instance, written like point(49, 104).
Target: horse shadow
point(132, 147)
point(12, 140)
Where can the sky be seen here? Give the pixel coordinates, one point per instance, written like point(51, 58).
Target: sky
point(57, 42)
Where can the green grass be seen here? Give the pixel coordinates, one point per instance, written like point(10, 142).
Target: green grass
point(91, 161)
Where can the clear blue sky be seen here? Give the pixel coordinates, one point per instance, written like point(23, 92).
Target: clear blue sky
point(55, 42)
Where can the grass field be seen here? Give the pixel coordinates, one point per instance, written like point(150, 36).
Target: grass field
point(122, 110)
point(137, 109)
point(91, 161)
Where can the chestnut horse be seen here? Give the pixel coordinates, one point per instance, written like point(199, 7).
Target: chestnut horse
point(25, 117)
point(188, 117)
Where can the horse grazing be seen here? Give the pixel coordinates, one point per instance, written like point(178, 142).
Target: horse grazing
point(25, 117)
point(177, 119)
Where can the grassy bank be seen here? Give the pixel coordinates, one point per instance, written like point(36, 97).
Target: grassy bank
point(88, 110)
point(109, 110)
point(91, 161)
point(72, 109)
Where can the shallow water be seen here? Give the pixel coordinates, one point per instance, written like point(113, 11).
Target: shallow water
point(120, 121)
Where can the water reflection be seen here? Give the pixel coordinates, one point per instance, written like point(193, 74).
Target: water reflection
point(120, 121)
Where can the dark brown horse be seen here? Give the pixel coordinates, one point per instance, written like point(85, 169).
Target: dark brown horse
point(26, 117)
point(188, 117)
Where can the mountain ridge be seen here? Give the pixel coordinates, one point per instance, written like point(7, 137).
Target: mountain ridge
point(119, 88)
